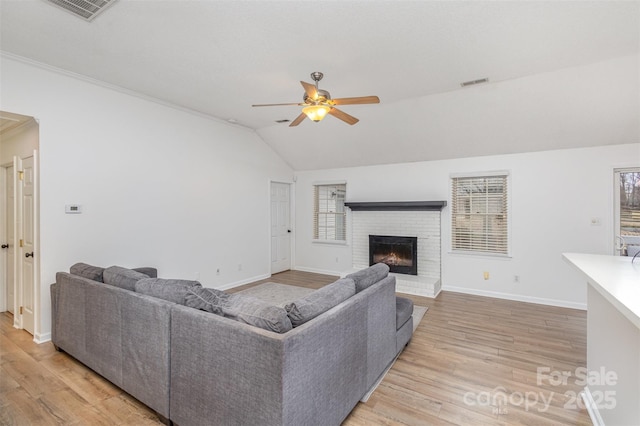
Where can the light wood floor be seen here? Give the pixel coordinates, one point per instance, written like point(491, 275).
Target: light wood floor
point(468, 354)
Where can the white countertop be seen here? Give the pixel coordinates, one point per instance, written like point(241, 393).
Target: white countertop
point(615, 278)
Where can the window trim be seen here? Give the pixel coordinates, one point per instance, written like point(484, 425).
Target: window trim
point(477, 253)
point(314, 230)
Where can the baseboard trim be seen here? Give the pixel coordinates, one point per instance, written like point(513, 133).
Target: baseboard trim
point(316, 271)
point(592, 407)
point(42, 338)
point(243, 282)
point(517, 297)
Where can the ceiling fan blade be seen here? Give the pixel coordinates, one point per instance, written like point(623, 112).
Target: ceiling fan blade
point(357, 101)
point(299, 119)
point(310, 89)
point(261, 105)
point(349, 119)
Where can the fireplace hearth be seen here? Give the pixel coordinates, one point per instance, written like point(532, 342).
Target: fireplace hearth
point(399, 253)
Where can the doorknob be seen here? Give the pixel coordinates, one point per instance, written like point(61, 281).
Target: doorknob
point(5, 246)
point(289, 230)
point(28, 254)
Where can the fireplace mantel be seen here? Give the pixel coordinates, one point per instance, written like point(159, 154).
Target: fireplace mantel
point(396, 205)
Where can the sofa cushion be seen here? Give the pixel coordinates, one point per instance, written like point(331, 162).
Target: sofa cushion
point(87, 271)
point(320, 301)
point(404, 310)
point(239, 307)
point(122, 277)
point(168, 289)
point(148, 271)
point(256, 312)
point(367, 277)
point(205, 299)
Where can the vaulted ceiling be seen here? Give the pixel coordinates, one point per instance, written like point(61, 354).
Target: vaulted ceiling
point(220, 57)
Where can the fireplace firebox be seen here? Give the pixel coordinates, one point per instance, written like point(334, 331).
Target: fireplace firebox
point(400, 253)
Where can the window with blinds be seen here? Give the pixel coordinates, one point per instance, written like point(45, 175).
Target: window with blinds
point(329, 215)
point(479, 214)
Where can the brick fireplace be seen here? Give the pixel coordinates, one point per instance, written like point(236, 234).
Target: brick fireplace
point(419, 219)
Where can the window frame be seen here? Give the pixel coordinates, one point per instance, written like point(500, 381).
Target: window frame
point(316, 234)
point(505, 201)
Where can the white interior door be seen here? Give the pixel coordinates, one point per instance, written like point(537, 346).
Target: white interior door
point(28, 244)
point(8, 245)
point(280, 227)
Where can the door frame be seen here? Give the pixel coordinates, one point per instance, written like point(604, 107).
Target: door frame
point(291, 220)
point(616, 203)
point(4, 303)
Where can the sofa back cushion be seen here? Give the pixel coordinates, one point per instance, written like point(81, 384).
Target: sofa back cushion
point(239, 307)
point(369, 276)
point(320, 301)
point(205, 299)
point(173, 290)
point(256, 312)
point(148, 271)
point(122, 277)
point(87, 271)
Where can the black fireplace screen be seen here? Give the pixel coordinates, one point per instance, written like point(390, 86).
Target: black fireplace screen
point(400, 253)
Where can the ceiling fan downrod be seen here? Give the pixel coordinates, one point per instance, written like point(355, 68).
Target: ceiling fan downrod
point(316, 76)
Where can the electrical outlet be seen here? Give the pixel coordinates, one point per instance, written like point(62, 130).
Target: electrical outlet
point(337, 259)
point(486, 275)
point(516, 278)
point(218, 271)
point(196, 276)
point(239, 266)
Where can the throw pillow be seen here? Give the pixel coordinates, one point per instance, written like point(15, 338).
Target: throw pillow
point(122, 277)
point(205, 299)
point(87, 271)
point(369, 276)
point(168, 289)
point(320, 301)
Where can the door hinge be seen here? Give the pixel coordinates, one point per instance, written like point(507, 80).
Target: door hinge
point(20, 310)
point(21, 243)
point(21, 175)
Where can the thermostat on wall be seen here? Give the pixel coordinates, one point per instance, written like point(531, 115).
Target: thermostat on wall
point(73, 208)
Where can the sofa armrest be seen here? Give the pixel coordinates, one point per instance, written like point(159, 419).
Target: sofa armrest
point(381, 325)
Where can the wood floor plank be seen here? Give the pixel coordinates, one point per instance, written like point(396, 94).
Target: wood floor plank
point(472, 360)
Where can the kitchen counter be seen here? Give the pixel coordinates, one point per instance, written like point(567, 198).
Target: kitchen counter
point(612, 393)
point(615, 278)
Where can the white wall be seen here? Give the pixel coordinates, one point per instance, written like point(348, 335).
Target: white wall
point(554, 196)
point(159, 186)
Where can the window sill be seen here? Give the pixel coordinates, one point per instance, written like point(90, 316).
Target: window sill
point(482, 255)
point(330, 242)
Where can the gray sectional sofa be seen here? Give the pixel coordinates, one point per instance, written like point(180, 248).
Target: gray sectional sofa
point(199, 368)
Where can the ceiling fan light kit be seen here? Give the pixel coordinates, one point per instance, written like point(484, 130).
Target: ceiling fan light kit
point(317, 103)
point(316, 112)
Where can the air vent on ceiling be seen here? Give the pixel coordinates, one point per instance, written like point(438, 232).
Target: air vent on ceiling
point(472, 82)
point(86, 9)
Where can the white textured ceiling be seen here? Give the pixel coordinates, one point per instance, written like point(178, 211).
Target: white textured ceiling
point(219, 57)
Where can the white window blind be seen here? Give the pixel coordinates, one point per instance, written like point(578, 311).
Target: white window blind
point(479, 211)
point(329, 216)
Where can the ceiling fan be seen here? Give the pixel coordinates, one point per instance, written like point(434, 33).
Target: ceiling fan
point(317, 103)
